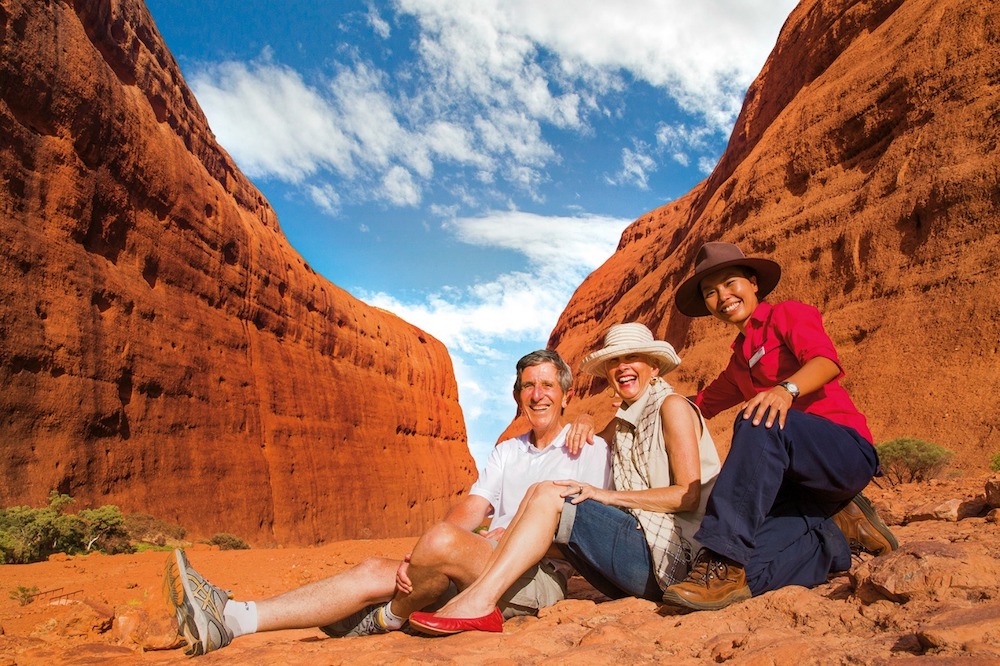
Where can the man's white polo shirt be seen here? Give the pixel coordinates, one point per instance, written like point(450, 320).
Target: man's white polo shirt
point(514, 465)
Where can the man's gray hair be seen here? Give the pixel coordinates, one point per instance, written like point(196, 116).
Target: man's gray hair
point(545, 356)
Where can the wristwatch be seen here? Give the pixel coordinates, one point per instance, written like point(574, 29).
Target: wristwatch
point(791, 388)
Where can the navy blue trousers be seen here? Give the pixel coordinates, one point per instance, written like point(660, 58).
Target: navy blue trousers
point(771, 505)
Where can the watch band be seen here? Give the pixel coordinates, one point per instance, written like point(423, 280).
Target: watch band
point(792, 389)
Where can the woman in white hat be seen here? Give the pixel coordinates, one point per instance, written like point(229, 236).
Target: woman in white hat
point(635, 539)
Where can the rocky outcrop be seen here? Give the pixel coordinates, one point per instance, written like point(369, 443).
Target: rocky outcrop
point(162, 347)
point(864, 161)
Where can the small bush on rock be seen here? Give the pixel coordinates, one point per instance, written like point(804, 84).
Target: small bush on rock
point(909, 459)
point(995, 463)
point(144, 528)
point(226, 541)
point(24, 595)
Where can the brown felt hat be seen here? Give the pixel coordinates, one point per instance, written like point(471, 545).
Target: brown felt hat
point(714, 256)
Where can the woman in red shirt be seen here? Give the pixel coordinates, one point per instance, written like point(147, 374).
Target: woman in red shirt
point(786, 508)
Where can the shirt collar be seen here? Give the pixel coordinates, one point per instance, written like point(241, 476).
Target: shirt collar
point(757, 319)
point(631, 413)
point(557, 443)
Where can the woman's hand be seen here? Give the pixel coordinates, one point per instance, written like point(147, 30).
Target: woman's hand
point(771, 404)
point(581, 433)
point(583, 491)
point(776, 401)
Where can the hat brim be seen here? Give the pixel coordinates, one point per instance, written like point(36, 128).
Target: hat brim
point(662, 352)
point(690, 301)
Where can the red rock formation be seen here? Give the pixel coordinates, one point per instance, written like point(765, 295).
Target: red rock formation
point(865, 161)
point(162, 347)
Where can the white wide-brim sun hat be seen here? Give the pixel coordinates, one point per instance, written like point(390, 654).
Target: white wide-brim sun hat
point(632, 338)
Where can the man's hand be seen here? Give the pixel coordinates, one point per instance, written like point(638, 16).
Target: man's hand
point(581, 433)
point(403, 583)
point(495, 534)
point(773, 403)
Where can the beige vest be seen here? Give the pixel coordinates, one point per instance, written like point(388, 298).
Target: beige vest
point(640, 462)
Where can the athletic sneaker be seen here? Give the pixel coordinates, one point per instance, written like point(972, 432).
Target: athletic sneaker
point(198, 605)
point(350, 625)
point(366, 622)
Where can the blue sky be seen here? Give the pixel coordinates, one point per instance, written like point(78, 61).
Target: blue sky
point(465, 164)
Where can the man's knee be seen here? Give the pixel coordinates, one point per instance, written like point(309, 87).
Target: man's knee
point(374, 569)
point(438, 544)
point(547, 492)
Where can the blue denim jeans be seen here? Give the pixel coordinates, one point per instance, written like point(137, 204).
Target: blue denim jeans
point(608, 548)
point(771, 506)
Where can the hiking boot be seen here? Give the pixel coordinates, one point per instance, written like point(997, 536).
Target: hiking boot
point(361, 623)
point(864, 530)
point(715, 582)
point(198, 605)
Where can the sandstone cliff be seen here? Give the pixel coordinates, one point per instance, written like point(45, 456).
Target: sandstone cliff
point(162, 347)
point(864, 161)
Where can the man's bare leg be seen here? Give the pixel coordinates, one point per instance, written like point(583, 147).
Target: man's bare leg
point(445, 553)
point(326, 601)
point(523, 545)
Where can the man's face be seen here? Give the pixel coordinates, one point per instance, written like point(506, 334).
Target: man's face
point(541, 398)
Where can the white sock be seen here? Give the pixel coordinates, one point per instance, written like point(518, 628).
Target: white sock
point(389, 620)
point(240, 617)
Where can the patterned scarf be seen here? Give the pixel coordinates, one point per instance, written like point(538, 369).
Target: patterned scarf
point(634, 447)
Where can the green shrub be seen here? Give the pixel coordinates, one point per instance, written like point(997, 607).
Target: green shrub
point(145, 528)
point(909, 459)
point(227, 541)
point(995, 463)
point(29, 534)
point(24, 595)
point(105, 530)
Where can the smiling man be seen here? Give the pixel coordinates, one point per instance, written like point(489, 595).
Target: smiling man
point(379, 594)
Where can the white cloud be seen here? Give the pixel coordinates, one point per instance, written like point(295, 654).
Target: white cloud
point(553, 244)
point(707, 164)
point(636, 167)
point(485, 81)
point(379, 26)
point(486, 324)
point(272, 122)
point(679, 140)
point(704, 52)
point(326, 197)
point(400, 188)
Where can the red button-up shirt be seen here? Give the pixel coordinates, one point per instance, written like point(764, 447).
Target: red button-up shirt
point(778, 340)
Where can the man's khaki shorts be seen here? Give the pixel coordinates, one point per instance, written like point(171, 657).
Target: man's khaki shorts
point(540, 586)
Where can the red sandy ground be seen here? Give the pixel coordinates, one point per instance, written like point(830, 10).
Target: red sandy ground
point(114, 611)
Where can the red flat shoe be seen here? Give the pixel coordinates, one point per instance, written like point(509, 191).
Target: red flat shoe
point(432, 625)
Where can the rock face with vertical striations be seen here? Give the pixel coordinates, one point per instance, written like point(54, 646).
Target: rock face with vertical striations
point(865, 161)
point(162, 347)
